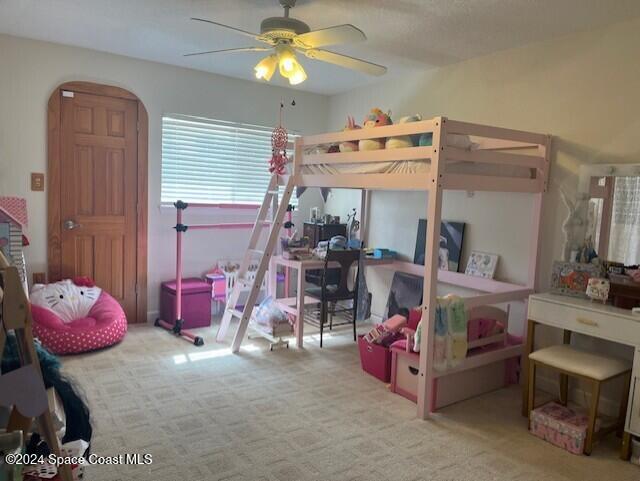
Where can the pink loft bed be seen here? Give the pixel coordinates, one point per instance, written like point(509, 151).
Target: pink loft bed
point(501, 160)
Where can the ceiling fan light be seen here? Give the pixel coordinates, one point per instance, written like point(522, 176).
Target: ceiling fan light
point(286, 60)
point(266, 67)
point(298, 76)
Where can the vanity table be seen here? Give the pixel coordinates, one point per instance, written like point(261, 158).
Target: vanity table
point(592, 319)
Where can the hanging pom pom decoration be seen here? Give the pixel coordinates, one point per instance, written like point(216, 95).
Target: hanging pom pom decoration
point(279, 140)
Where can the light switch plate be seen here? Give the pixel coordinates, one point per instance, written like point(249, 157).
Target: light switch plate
point(37, 181)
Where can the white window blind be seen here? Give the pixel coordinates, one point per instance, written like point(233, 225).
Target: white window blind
point(213, 161)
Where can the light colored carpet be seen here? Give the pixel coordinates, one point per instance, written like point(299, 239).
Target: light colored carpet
point(291, 415)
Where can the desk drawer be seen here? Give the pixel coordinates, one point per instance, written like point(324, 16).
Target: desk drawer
point(592, 323)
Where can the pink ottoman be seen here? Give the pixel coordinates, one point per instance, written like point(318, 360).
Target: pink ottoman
point(105, 325)
point(196, 302)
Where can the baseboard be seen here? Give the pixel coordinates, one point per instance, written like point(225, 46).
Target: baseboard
point(152, 316)
point(578, 396)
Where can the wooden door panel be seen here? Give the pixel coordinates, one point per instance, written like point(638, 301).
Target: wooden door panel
point(84, 255)
point(83, 119)
point(109, 265)
point(114, 175)
point(99, 193)
point(83, 170)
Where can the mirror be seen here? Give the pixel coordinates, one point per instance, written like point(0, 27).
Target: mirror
point(611, 195)
point(613, 219)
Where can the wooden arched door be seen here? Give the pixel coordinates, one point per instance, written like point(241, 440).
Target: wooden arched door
point(97, 190)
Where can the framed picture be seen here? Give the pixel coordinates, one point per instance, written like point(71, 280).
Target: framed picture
point(572, 278)
point(451, 236)
point(482, 264)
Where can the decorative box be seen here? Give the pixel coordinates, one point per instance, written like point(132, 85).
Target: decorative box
point(561, 426)
point(625, 292)
point(572, 278)
point(196, 302)
point(375, 359)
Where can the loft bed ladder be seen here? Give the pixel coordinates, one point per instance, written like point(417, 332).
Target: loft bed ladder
point(278, 211)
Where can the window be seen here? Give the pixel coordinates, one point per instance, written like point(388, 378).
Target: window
point(213, 161)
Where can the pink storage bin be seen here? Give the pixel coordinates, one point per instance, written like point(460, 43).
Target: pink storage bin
point(560, 426)
point(196, 302)
point(375, 359)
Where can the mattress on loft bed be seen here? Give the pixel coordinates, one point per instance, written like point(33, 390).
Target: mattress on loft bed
point(420, 166)
point(417, 167)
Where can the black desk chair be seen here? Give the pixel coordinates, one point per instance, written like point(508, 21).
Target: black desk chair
point(332, 293)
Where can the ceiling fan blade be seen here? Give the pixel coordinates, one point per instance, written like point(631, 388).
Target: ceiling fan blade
point(336, 35)
point(255, 36)
point(346, 61)
point(242, 49)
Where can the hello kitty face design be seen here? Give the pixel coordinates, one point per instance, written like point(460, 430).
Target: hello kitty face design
point(65, 299)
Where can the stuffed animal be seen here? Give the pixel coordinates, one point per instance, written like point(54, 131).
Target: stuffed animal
point(403, 141)
point(375, 118)
point(426, 139)
point(67, 300)
point(350, 146)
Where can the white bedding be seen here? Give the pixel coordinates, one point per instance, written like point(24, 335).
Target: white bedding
point(417, 167)
point(397, 167)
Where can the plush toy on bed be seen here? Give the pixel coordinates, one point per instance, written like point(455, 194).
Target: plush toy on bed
point(403, 141)
point(375, 118)
point(350, 146)
point(69, 300)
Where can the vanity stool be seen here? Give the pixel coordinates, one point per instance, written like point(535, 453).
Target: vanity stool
point(594, 368)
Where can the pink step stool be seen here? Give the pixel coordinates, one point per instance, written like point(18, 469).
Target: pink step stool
point(196, 302)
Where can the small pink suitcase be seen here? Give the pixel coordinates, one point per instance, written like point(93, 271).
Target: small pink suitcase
point(196, 302)
point(375, 359)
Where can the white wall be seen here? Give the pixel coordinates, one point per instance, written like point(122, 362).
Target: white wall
point(31, 70)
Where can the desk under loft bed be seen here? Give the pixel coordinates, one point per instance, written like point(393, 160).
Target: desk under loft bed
point(497, 159)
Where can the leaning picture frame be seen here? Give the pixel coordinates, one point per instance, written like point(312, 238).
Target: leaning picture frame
point(482, 264)
point(572, 278)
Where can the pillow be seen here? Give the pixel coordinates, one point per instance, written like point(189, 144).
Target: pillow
point(461, 142)
point(395, 323)
point(65, 299)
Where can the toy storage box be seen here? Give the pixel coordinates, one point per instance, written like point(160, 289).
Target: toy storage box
point(196, 302)
point(451, 388)
point(375, 359)
point(561, 426)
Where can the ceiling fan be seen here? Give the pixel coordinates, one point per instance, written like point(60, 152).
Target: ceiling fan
point(286, 35)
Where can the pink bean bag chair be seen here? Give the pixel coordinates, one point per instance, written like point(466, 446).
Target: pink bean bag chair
point(70, 318)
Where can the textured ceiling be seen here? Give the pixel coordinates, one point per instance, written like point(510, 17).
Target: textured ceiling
point(404, 35)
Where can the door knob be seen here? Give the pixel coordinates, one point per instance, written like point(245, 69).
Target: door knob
point(70, 225)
